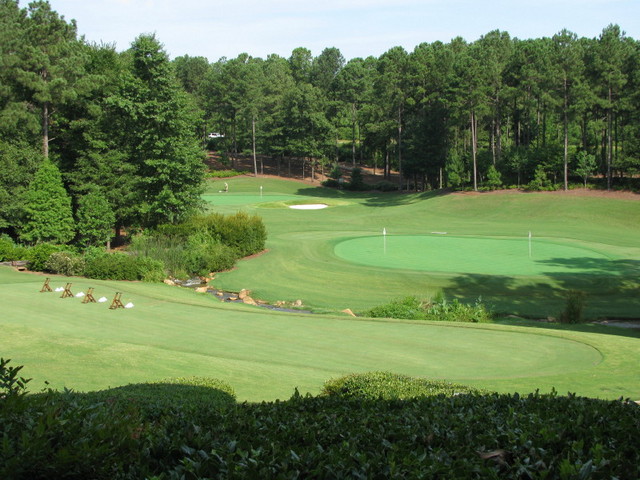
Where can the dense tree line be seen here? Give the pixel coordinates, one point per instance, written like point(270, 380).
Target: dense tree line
point(495, 111)
point(129, 128)
point(90, 139)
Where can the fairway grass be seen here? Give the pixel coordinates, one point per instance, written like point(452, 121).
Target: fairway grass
point(265, 355)
point(320, 257)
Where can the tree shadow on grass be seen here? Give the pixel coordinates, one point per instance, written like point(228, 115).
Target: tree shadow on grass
point(612, 291)
point(372, 198)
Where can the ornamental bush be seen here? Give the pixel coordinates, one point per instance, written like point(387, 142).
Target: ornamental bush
point(388, 386)
point(65, 263)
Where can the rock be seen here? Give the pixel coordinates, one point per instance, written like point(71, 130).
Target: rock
point(168, 281)
point(219, 293)
point(243, 294)
point(202, 289)
point(249, 301)
point(297, 303)
point(233, 299)
point(349, 312)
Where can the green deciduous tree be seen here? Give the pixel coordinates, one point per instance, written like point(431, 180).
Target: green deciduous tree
point(95, 220)
point(48, 214)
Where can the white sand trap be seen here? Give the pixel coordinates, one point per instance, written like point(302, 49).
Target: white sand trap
point(309, 206)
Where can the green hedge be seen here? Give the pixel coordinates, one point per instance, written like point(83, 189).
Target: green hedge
point(162, 432)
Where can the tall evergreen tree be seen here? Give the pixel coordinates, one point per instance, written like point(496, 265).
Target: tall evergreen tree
point(48, 214)
point(156, 124)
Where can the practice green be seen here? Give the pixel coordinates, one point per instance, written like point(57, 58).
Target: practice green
point(489, 256)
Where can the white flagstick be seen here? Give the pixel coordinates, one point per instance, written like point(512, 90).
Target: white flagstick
point(260, 191)
point(384, 241)
point(529, 243)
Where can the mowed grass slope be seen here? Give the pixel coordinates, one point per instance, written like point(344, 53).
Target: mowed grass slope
point(302, 262)
point(173, 332)
point(264, 355)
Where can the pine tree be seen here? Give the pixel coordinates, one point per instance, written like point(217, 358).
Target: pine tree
point(48, 214)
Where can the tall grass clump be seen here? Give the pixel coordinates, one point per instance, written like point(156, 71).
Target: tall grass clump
point(574, 307)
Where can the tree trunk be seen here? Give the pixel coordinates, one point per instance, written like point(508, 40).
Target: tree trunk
point(400, 146)
point(609, 140)
point(45, 129)
point(566, 137)
point(253, 144)
point(474, 149)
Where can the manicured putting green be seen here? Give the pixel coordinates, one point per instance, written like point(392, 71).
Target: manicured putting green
point(475, 255)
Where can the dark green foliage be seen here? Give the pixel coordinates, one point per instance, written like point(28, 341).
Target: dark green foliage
point(203, 244)
point(95, 220)
point(39, 254)
point(331, 183)
point(120, 266)
point(357, 181)
point(48, 216)
point(540, 181)
point(9, 250)
point(574, 308)
point(361, 428)
point(226, 173)
point(439, 309)
point(408, 308)
point(390, 386)
point(385, 186)
point(494, 179)
point(184, 394)
point(65, 263)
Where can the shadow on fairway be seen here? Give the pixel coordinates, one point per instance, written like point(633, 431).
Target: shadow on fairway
point(373, 198)
point(596, 266)
point(611, 293)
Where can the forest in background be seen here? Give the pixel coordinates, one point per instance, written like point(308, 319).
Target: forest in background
point(122, 135)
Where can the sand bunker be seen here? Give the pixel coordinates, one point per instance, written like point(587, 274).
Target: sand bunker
point(309, 206)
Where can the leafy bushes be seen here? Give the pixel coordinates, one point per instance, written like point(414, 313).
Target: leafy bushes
point(38, 255)
point(119, 266)
point(9, 250)
point(194, 429)
point(203, 244)
point(411, 308)
point(390, 386)
point(65, 263)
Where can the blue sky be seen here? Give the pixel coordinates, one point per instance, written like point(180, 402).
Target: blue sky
point(359, 28)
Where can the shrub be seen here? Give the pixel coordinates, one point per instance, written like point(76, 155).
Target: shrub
point(574, 307)
point(494, 178)
point(65, 263)
point(385, 186)
point(357, 181)
point(408, 308)
point(455, 311)
point(331, 183)
point(9, 250)
point(38, 255)
point(119, 266)
point(388, 386)
point(226, 173)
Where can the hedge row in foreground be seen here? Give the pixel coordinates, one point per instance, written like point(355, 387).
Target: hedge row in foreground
point(468, 435)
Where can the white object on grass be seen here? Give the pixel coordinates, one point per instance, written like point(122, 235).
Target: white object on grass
point(129, 305)
point(59, 289)
point(102, 299)
point(80, 294)
point(309, 206)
